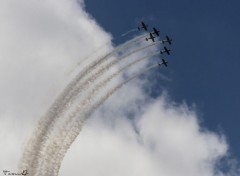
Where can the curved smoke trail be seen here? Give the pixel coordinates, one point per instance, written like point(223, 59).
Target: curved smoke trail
point(84, 85)
point(87, 82)
point(32, 151)
point(108, 43)
point(78, 123)
point(30, 154)
point(128, 32)
point(60, 144)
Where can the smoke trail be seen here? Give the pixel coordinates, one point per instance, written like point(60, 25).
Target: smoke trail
point(128, 32)
point(103, 83)
point(31, 152)
point(84, 85)
point(78, 122)
point(88, 82)
point(99, 72)
point(108, 43)
point(88, 57)
point(62, 143)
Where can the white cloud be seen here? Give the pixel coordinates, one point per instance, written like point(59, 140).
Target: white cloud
point(41, 41)
point(164, 140)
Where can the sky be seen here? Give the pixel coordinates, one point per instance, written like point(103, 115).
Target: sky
point(205, 57)
point(175, 121)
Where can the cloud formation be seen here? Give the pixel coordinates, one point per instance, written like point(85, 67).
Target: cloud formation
point(165, 139)
point(41, 42)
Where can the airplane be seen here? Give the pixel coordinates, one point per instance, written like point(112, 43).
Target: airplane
point(151, 37)
point(163, 62)
point(165, 50)
point(168, 40)
point(144, 26)
point(155, 31)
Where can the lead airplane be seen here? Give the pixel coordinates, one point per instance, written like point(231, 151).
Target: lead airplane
point(151, 37)
point(163, 62)
point(168, 40)
point(144, 26)
point(165, 50)
point(155, 31)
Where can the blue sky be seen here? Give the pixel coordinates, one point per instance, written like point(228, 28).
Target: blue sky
point(204, 65)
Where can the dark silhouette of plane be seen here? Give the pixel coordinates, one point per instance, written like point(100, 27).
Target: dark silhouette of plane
point(143, 26)
point(165, 50)
point(163, 62)
point(155, 31)
point(151, 37)
point(168, 40)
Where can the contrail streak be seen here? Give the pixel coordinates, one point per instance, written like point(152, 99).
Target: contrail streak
point(32, 152)
point(128, 32)
point(88, 57)
point(89, 81)
point(108, 43)
point(68, 135)
point(93, 77)
point(97, 88)
point(103, 83)
point(99, 72)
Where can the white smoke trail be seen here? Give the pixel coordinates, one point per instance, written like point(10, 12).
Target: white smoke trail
point(77, 125)
point(70, 129)
point(109, 43)
point(31, 152)
point(97, 88)
point(89, 81)
point(87, 58)
point(128, 32)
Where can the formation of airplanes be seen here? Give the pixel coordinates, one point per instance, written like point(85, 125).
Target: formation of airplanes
point(152, 35)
